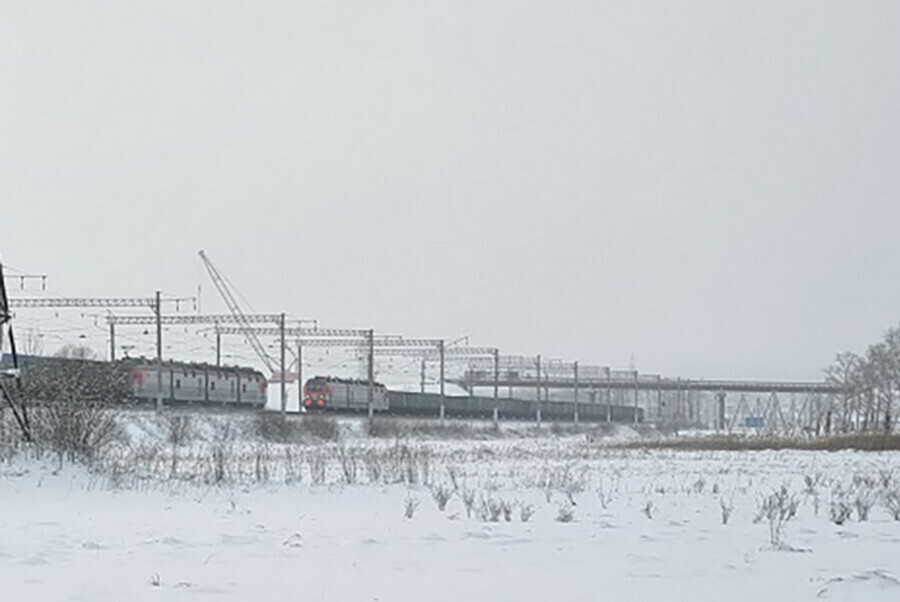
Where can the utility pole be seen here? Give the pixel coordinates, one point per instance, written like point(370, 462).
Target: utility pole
point(608, 395)
point(538, 402)
point(218, 347)
point(496, 388)
point(441, 351)
point(283, 350)
point(575, 368)
point(158, 309)
point(635, 397)
point(299, 374)
point(370, 397)
point(112, 341)
point(422, 376)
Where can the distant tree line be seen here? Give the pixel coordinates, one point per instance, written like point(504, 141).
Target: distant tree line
point(870, 383)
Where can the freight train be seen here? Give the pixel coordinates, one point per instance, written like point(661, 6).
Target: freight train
point(330, 394)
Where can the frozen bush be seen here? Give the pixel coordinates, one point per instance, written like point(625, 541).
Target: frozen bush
point(468, 498)
point(526, 511)
point(409, 506)
point(727, 509)
point(892, 503)
point(441, 495)
point(863, 503)
point(324, 428)
point(565, 514)
point(349, 467)
point(778, 508)
point(489, 510)
point(840, 510)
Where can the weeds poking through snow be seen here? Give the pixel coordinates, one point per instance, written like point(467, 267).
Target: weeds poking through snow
point(155, 580)
point(648, 509)
point(409, 506)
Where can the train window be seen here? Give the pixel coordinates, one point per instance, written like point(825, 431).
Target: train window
point(244, 387)
point(177, 383)
point(212, 386)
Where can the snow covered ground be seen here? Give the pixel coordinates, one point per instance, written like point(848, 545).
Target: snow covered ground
point(328, 521)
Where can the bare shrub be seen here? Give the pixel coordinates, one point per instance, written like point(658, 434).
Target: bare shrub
point(374, 468)
point(727, 509)
point(840, 511)
point(78, 418)
point(565, 514)
point(272, 426)
point(778, 508)
point(441, 495)
point(892, 503)
point(349, 468)
point(293, 467)
point(468, 498)
point(318, 466)
point(381, 427)
point(811, 483)
point(489, 510)
point(179, 429)
point(221, 455)
point(863, 503)
point(453, 473)
point(261, 463)
point(506, 507)
point(604, 495)
point(324, 428)
point(409, 506)
point(526, 511)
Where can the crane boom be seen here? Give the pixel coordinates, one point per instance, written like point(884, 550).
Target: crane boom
point(240, 318)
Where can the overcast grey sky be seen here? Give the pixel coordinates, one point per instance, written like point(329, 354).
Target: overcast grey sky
point(712, 187)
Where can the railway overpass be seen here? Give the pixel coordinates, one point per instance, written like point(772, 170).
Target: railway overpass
point(619, 380)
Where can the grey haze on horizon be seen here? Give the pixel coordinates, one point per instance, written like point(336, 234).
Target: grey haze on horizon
point(710, 187)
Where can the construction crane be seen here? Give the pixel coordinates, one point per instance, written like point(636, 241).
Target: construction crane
point(240, 317)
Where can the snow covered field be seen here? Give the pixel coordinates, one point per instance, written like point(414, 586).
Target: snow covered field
point(241, 519)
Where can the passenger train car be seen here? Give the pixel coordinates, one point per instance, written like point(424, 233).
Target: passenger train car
point(330, 393)
point(196, 383)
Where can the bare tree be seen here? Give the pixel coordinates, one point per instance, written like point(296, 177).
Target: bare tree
point(75, 399)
